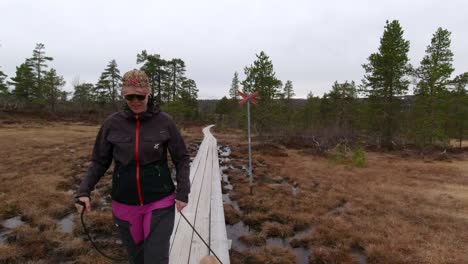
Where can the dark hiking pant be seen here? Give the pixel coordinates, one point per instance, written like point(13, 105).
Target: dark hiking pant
point(155, 248)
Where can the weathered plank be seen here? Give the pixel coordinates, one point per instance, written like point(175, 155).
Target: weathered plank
point(218, 239)
point(204, 211)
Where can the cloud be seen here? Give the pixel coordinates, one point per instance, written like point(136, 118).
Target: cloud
point(312, 43)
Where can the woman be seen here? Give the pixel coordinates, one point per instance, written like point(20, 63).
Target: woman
point(143, 193)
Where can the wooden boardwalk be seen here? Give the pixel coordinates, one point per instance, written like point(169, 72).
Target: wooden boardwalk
point(204, 210)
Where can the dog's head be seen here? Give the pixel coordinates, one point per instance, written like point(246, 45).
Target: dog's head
point(209, 260)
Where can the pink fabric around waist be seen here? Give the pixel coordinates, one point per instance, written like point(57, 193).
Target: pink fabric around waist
point(139, 217)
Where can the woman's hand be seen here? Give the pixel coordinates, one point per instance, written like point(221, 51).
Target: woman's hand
point(85, 200)
point(180, 205)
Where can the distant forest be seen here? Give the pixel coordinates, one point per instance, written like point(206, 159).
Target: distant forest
point(381, 110)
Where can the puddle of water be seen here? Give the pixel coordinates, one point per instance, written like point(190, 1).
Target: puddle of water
point(66, 224)
point(224, 160)
point(235, 231)
point(361, 258)
point(303, 233)
point(10, 223)
point(275, 241)
point(3, 236)
point(225, 178)
point(13, 222)
point(295, 190)
point(223, 168)
point(225, 152)
point(342, 206)
point(302, 255)
point(227, 200)
point(358, 254)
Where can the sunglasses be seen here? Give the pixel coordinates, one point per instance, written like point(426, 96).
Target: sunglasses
point(139, 97)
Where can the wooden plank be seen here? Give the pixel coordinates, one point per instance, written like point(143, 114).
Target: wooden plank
point(205, 210)
point(180, 250)
point(202, 216)
point(218, 238)
point(202, 152)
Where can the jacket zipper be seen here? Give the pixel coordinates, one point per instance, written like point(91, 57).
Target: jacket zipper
point(137, 158)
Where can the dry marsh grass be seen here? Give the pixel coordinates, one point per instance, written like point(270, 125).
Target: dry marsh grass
point(42, 164)
point(398, 208)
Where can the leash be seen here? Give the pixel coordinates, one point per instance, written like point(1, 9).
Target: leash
point(85, 228)
point(93, 243)
point(200, 237)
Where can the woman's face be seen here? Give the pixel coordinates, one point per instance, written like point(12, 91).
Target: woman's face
point(133, 98)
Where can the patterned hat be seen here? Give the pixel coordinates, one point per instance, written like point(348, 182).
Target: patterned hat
point(135, 80)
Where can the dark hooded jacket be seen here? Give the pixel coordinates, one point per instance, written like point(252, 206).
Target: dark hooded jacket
point(138, 143)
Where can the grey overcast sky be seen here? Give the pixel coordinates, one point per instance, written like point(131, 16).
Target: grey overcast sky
point(311, 43)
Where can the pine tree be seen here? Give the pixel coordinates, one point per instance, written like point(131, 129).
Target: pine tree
point(109, 84)
point(340, 102)
point(3, 84)
point(23, 82)
point(311, 111)
point(458, 107)
point(190, 88)
point(176, 74)
point(83, 95)
point(288, 90)
point(101, 91)
point(261, 77)
point(385, 80)
point(431, 91)
point(234, 86)
point(154, 67)
point(51, 86)
point(39, 65)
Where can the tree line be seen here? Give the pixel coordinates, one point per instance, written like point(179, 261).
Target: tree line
point(35, 87)
point(382, 110)
point(395, 104)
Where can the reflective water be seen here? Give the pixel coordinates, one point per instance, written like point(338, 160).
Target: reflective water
point(66, 224)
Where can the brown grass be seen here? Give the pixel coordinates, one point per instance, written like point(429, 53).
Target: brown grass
point(253, 240)
point(400, 208)
point(42, 164)
point(271, 255)
point(231, 215)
